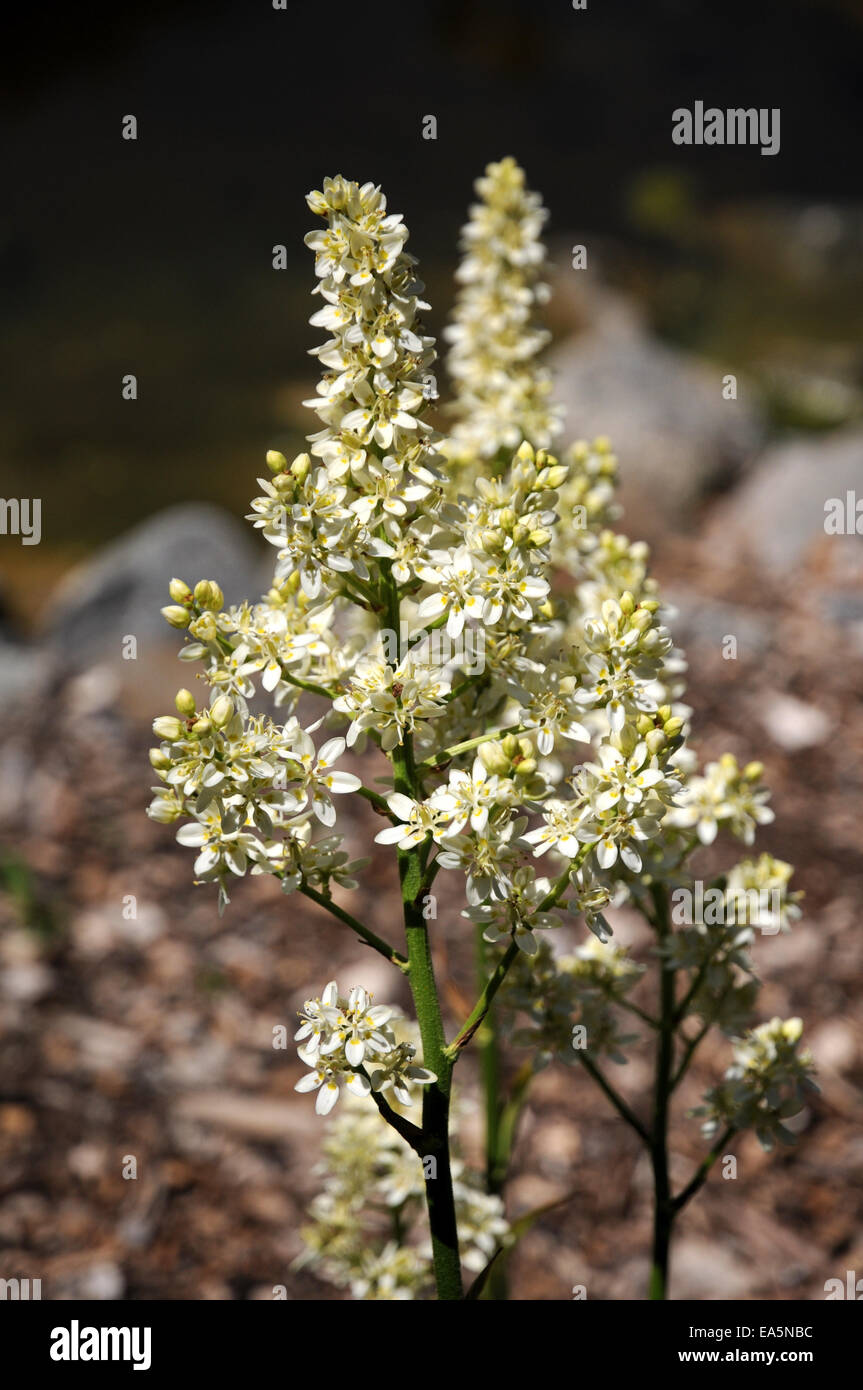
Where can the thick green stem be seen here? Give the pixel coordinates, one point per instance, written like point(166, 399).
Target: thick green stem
point(489, 1065)
point(663, 1207)
point(436, 1097)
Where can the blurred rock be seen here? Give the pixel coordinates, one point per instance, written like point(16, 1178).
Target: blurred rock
point(702, 622)
point(677, 438)
point(834, 1046)
point(120, 592)
point(704, 1269)
point(791, 723)
point(24, 673)
point(776, 517)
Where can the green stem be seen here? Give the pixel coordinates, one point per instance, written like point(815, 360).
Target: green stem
point(379, 802)
point(436, 1097)
point(489, 1065)
point(367, 935)
point(438, 759)
point(483, 1004)
point(663, 1208)
point(700, 1176)
point(310, 686)
point(611, 1094)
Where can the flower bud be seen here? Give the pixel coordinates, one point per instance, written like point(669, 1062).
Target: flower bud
point(208, 594)
point(201, 726)
point(649, 605)
point(509, 744)
point(525, 453)
point(627, 602)
point(175, 615)
point(167, 726)
point(663, 713)
point(656, 741)
point(493, 541)
point(626, 739)
point(556, 476)
point(644, 724)
point(180, 592)
point(222, 711)
point(753, 772)
point(301, 467)
point(494, 759)
point(525, 767)
point(276, 462)
point(185, 702)
point(159, 760)
point(673, 726)
point(506, 518)
point(541, 536)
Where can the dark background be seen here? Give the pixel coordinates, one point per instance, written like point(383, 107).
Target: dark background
point(154, 257)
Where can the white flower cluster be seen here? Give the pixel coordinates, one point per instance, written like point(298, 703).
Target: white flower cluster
point(373, 465)
point(347, 1041)
point(253, 790)
point(501, 394)
point(561, 996)
point(372, 1188)
point(401, 557)
point(768, 1082)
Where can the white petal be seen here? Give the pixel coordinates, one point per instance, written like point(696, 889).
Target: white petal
point(327, 1097)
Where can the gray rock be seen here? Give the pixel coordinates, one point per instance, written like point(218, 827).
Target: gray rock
point(24, 673)
point(121, 590)
point(697, 621)
point(776, 517)
point(677, 438)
